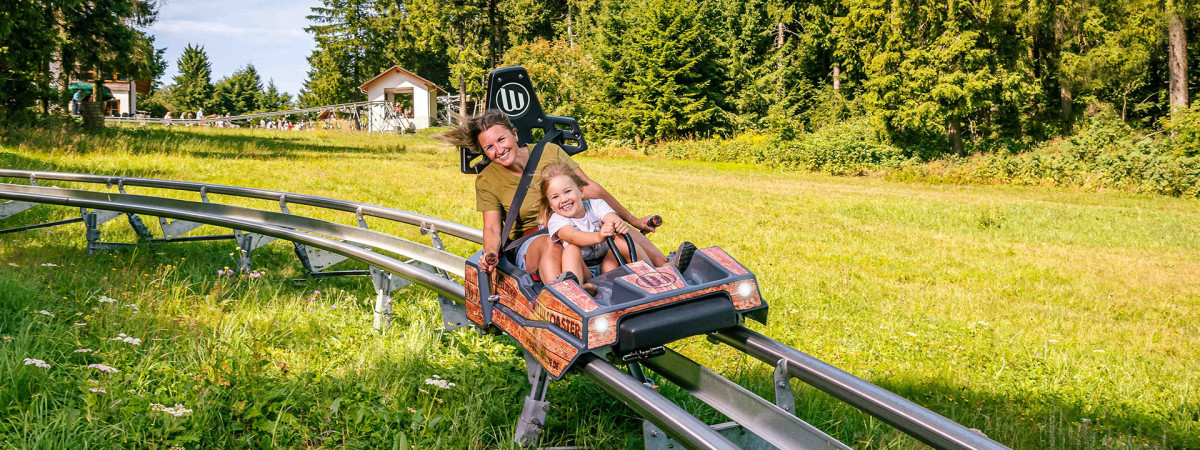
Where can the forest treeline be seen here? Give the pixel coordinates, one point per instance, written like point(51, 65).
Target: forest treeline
point(934, 76)
point(193, 88)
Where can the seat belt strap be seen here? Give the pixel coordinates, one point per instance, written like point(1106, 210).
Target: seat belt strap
point(523, 187)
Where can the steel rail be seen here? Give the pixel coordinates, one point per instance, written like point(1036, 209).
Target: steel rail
point(420, 220)
point(671, 418)
point(906, 416)
point(284, 112)
point(423, 277)
point(768, 421)
point(446, 261)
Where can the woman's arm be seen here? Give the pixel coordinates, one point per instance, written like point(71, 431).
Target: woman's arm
point(491, 237)
point(595, 190)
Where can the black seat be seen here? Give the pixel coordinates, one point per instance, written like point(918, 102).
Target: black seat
point(511, 91)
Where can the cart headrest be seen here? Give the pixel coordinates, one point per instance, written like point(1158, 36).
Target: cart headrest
point(510, 90)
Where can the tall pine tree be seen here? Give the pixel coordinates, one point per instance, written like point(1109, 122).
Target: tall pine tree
point(193, 85)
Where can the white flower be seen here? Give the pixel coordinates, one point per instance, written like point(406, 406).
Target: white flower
point(83, 350)
point(443, 384)
point(127, 339)
point(178, 410)
point(46, 313)
point(105, 299)
point(98, 390)
point(49, 265)
point(102, 368)
point(135, 308)
point(81, 324)
point(36, 363)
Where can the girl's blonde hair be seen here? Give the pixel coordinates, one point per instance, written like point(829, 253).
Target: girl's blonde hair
point(549, 172)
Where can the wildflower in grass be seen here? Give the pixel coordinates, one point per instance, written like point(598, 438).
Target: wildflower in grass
point(127, 339)
point(442, 384)
point(83, 350)
point(49, 265)
point(97, 390)
point(411, 410)
point(106, 299)
point(178, 410)
point(7, 338)
point(36, 363)
point(13, 264)
point(316, 292)
point(81, 324)
point(131, 305)
point(46, 313)
point(102, 368)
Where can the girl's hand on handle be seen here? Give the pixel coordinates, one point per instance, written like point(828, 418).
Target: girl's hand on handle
point(620, 227)
point(608, 230)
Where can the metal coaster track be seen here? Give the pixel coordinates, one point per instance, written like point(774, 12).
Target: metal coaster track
point(379, 110)
point(757, 423)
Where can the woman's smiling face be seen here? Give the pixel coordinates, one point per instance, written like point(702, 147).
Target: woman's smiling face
point(565, 197)
point(499, 144)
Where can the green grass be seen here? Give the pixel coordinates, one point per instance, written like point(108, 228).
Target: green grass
point(1047, 318)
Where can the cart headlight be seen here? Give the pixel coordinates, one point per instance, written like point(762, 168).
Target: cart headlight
point(745, 289)
point(601, 325)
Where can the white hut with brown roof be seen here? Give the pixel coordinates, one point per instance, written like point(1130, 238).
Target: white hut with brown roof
point(407, 94)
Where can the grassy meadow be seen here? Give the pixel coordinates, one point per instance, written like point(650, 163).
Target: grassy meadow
point(1044, 317)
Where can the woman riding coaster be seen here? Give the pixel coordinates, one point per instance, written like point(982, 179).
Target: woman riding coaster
point(493, 135)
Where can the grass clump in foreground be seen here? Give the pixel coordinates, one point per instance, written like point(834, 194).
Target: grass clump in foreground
point(1046, 318)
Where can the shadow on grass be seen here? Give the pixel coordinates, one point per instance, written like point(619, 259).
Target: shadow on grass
point(1028, 420)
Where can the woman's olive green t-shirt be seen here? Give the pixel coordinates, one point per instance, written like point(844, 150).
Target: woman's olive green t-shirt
point(495, 187)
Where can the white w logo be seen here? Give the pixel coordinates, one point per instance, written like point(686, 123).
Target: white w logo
point(513, 99)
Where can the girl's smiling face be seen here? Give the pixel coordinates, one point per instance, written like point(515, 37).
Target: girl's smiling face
point(565, 197)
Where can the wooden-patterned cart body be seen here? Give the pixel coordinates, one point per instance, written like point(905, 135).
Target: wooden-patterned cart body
point(646, 306)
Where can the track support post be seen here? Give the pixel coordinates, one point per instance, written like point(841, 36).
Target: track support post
point(533, 411)
point(92, 219)
point(384, 283)
point(246, 243)
point(785, 399)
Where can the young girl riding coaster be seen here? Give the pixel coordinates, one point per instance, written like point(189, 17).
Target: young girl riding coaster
point(580, 225)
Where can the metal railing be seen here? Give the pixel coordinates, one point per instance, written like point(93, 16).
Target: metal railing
point(772, 424)
point(357, 109)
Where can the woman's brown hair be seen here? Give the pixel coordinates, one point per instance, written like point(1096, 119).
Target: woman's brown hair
point(549, 172)
point(466, 133)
